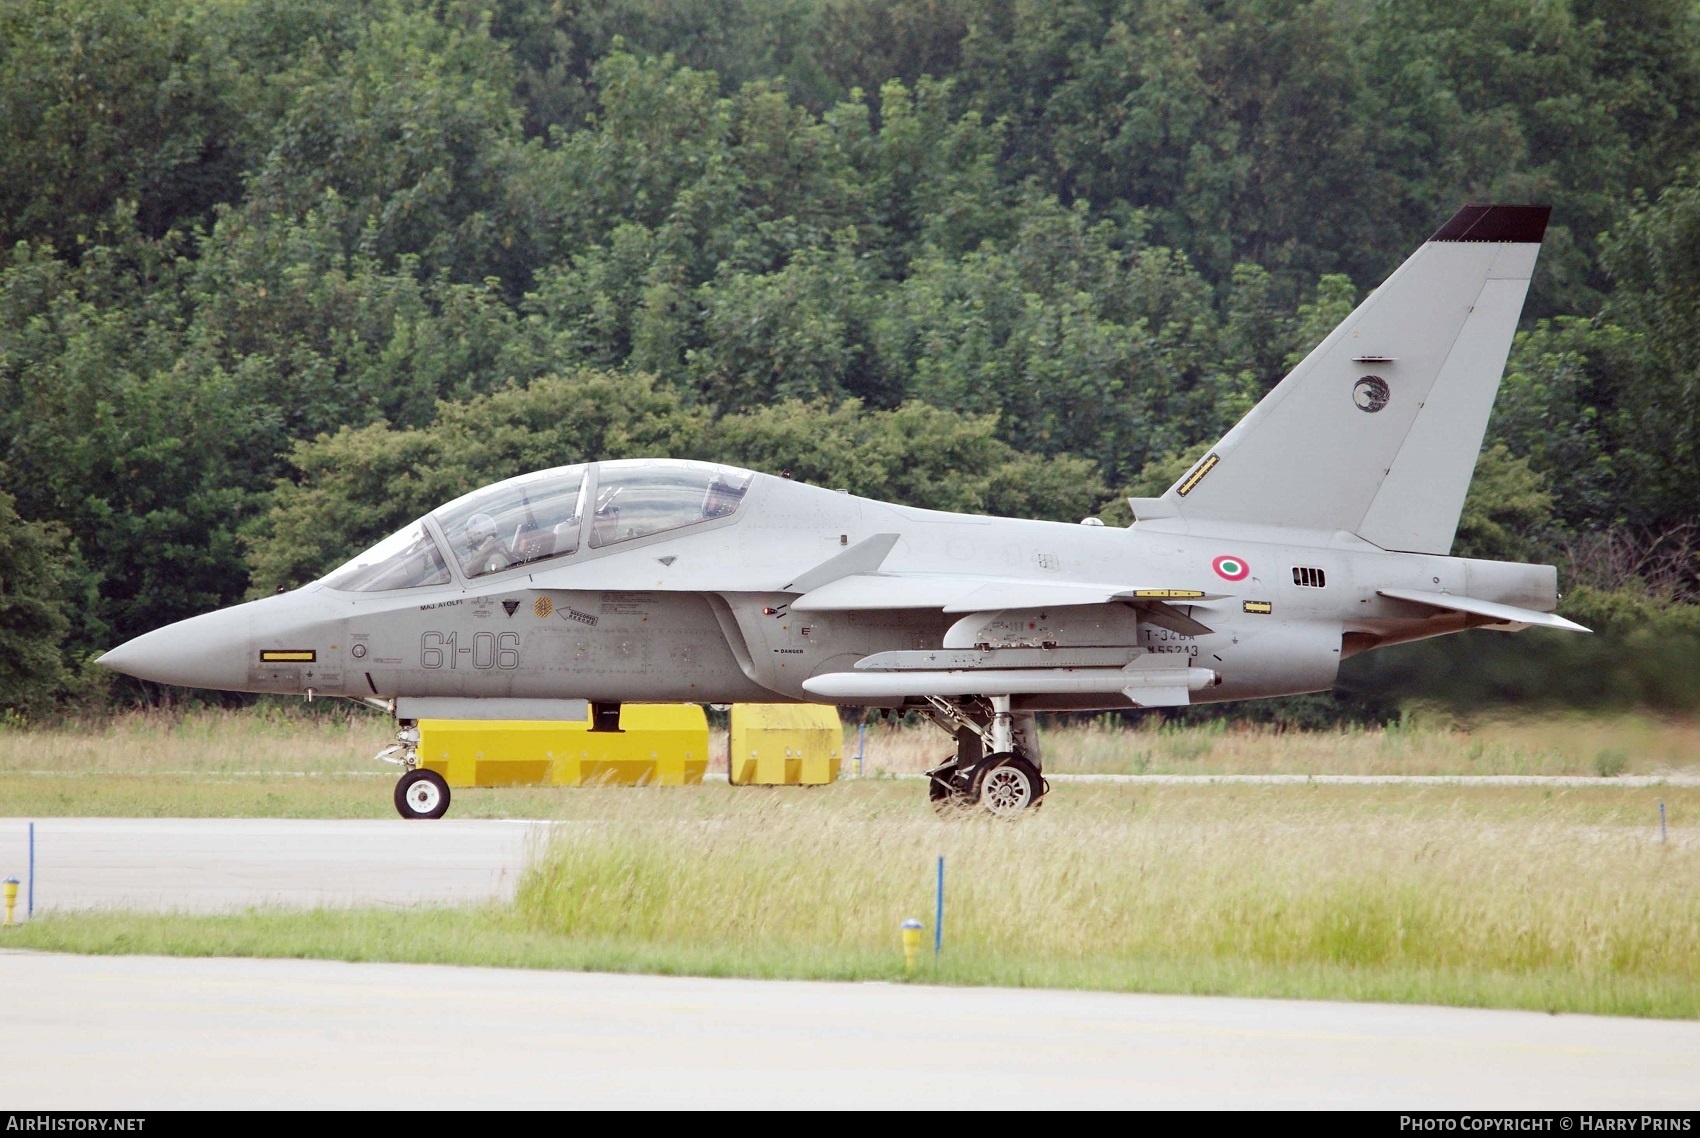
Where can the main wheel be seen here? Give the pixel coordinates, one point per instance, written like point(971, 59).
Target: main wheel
point(421, 794)
point(942, 790)
point(1006, 785)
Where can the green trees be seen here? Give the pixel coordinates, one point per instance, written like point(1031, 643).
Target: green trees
point(117, 427)
point(273, 276)
point(1653, 257)
point(409, 131)
point(35, 570)
point(108, 101)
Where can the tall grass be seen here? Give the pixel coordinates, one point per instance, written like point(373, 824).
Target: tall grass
point(277, 736)
point(269, 737)
point(1106, 881)
point(1422, 744)
point(210, 763)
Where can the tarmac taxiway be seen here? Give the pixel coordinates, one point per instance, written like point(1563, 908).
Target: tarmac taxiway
point(137, 1033)
point(204, 865)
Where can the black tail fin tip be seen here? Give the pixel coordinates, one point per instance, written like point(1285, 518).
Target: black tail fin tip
point(1521, 224)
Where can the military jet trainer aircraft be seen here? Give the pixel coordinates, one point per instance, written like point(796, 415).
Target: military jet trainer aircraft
point(1317, 528)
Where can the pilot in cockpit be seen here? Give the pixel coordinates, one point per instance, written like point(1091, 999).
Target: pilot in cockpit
point(486, 552)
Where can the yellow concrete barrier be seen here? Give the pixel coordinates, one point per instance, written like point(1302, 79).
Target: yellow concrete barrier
point(662, 744)
point(784, 744)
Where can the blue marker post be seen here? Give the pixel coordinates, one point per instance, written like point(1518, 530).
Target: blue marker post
point(1663, 837)
point(29, 910)
point(938, 916)
point(861, 746)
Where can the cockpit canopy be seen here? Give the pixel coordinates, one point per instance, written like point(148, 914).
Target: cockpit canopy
point(530, 518)
point(542, 516)
point(406, 559)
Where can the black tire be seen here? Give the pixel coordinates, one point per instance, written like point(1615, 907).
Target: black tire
point(969, 748)
point(421, 794)
point(942, 792)
point(1006, 786)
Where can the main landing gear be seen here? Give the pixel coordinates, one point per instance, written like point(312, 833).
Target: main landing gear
point(419, 793)
point(996, 766)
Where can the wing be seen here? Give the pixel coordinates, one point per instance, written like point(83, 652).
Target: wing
point(960, 593)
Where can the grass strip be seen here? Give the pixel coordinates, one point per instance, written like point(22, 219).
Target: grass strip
point(496, 936)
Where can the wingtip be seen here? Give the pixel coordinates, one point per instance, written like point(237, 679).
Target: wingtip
point(1518, 224)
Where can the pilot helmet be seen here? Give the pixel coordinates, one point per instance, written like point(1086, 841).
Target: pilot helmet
point(480, 528)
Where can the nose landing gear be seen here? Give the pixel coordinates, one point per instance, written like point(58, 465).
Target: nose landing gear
point(421, 794)
point(1003, 783)
point(418, 793)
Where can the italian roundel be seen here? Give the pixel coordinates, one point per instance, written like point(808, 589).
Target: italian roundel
point(1231, 568)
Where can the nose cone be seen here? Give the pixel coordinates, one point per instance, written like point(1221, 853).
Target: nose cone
point(209, 651)
point(217, 650)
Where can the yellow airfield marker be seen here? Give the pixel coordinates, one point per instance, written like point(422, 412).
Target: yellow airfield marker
point(12, 898)
point(911, 941)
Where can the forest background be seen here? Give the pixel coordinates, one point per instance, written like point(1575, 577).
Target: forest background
point(277, 276)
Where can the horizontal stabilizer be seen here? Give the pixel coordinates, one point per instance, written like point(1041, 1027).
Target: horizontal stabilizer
point(1509, 617)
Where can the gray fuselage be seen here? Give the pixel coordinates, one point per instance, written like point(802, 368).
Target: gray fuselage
point(703, 614)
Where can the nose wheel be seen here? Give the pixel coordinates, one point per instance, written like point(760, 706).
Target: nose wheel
point(421, 794)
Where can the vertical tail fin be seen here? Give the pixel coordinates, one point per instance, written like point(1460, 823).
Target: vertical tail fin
point(1376, 431)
